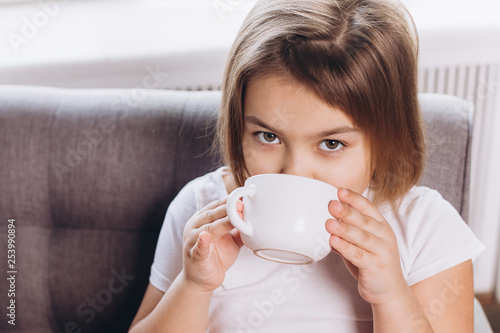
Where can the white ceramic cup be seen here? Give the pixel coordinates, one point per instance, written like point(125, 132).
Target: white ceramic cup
point(284, 217)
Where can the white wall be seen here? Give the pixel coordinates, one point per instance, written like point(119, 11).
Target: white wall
point(110, 43)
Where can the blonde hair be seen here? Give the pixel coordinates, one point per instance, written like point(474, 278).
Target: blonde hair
point(360, 56)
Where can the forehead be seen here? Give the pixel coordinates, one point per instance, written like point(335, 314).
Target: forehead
point(284, 102)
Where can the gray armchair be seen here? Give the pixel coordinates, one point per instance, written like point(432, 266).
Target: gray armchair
point(88, 175)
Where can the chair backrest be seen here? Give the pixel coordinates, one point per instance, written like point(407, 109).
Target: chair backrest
point(448, 121)
point(88, 176)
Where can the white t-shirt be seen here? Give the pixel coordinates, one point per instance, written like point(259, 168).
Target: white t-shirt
point(258, 295)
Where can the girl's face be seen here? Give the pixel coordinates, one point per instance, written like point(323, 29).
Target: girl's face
point(289, 129)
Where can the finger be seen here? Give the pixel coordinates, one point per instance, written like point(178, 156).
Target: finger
point(239, 208)
point(235, 233)
point(209, 215)
point(351, 268)
point(363, 239)
point(214, 204)
point(347, 214)
point(357, 256)
point(337, 252)
point(360, 203)
point(217, 229)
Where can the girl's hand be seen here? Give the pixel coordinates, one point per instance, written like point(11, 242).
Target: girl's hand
point(211, 245)
point(368, 246)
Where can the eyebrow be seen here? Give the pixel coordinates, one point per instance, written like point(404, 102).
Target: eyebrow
point(322, 134)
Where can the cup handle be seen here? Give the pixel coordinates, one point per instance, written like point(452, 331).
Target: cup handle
point(244, 227)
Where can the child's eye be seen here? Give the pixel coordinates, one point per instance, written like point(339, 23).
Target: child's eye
point(267, 137)
point(331, 145)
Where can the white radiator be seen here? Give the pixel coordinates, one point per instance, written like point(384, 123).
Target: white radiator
point(475, 83)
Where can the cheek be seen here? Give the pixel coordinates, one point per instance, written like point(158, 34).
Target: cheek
point(344, 180)
point(353, 174)
point(249, 151)
point(259, 160)
point(360, 173)
point(356, 181)
point(359, 177)
point(252, 157)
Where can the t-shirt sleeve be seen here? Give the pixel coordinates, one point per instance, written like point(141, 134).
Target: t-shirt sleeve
point(437, 238)
point(167, 262)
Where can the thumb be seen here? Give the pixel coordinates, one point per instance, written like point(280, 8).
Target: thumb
point(201, 249)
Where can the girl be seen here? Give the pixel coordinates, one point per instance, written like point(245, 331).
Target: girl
point(322, 89)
